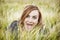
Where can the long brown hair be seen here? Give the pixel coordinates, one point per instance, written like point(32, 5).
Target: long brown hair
point(26, 12)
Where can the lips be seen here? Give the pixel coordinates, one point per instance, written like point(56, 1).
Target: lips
point(29, 24)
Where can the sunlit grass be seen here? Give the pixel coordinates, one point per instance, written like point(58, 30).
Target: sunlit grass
point(12, 10)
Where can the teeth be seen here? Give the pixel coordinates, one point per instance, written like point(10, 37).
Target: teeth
point(29, 24)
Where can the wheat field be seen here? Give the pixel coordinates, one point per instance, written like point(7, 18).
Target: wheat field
point(11, 10)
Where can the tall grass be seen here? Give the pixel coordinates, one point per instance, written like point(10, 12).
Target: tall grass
point(50, 10)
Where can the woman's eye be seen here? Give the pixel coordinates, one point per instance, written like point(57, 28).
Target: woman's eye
point(34, 17)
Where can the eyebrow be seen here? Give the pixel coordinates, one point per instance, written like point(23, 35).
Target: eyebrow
point(35, 15)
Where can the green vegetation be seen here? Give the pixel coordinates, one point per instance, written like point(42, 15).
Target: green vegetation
point(12, 10)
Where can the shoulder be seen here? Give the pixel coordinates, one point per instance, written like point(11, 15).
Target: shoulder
point(13, 25)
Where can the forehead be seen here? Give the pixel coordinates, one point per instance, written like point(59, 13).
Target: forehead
point(34, 12)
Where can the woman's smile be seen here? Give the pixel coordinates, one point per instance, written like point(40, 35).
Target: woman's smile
point(29, 23)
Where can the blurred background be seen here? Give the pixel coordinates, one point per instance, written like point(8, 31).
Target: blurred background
point(11, 10)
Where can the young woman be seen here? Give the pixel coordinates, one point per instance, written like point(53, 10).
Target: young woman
point(30, 18)
point(29, 23)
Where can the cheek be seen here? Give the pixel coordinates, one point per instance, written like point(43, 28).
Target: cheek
point(25, 21)
point(35, 21)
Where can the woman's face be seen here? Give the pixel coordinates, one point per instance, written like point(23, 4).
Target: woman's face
point(31, 20)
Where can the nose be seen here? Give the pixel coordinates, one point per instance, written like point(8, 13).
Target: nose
point(30, 20)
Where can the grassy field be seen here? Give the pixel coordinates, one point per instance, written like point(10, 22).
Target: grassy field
point(11, 10)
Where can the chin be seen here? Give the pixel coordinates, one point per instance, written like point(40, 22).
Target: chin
point(29, 28)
